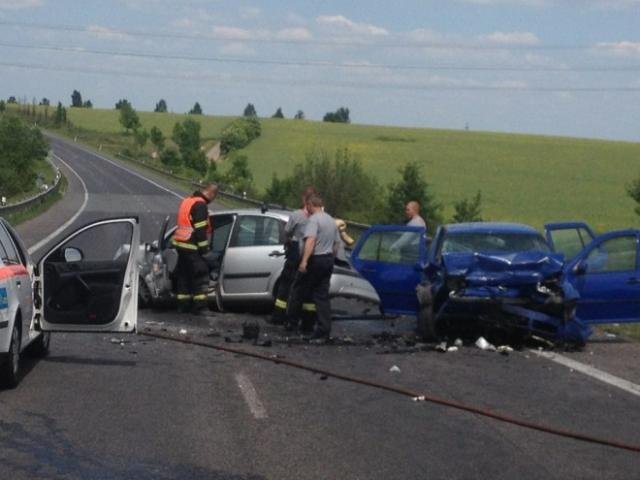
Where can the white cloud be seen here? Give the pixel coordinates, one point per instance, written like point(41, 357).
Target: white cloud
point(237, 49)
point(298, 34)
point(20, 4)
point(105, 33)
point(341, 22)
point(233, 33)
point(511, 38)
point(620, 49)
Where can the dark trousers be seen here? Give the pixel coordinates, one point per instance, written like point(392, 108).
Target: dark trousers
point(192, 280)
point(285, 282)
point(313, 284)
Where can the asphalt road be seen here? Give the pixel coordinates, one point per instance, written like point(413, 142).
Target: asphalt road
point(119, 407)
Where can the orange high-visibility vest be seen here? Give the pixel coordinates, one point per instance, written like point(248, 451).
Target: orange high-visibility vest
point(185, 227)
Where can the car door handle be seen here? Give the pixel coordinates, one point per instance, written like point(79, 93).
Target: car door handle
point(633, 281)
point(276, 253)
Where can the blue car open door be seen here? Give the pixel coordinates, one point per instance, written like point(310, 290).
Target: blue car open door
point(568, 238)
point(392, 258)
point(607, 278)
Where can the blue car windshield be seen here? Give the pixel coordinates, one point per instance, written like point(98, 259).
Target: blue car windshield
point(494, 243)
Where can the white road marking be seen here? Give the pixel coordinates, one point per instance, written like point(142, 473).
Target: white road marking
point(60, 229)
point(251, 396)
point(605, 377)
point(134, 173)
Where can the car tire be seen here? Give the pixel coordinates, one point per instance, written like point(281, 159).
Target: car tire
point(144, 294)
point(11, 366)
point(40, 347)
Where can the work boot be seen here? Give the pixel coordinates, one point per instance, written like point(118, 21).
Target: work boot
point(318, 337)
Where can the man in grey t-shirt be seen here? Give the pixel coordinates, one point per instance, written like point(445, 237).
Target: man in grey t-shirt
point(294, 231)
point(321, 239)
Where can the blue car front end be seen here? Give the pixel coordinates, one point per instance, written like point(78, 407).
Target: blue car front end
point(516, 288)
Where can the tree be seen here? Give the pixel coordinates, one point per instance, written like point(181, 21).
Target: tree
point(122, 102)
point(45, 102)
point(60, 117)
point(347, 189)
point(299, 115)
point(157, 138)
point(468, 210)
point(633, 190)
point(339, 116)
point(87, 104)
point(412, 187)
point(76, 99)
point(12, 99)
point(3, 106)
point(278, 113)
point(196, 110)
point(250, 111)
point(21, 146)
point(239, 133)
point(187, 136)
point(128, 117)
point(239, 176)
point(161, 106)
point(140, 137)
point(281, 192)
point(170, 158)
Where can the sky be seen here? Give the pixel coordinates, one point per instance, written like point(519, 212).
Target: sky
point(552, 67)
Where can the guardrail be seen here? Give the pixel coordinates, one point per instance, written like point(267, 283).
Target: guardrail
point(39, 198)
point(353, 227)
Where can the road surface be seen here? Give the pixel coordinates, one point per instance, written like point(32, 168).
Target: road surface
point(130, 406)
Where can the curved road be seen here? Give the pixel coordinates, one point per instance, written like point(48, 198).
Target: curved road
point(98, 408)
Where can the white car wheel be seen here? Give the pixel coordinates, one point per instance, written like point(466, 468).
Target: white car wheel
point(9, 369)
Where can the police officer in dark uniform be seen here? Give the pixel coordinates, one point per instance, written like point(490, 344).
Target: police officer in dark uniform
point(192, 241)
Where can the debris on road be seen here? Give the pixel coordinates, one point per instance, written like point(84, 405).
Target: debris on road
point(441, 347)
point(419, 398)
point(250, 330)
point(504, 349)
point(482, 344)
point(452, 348)
point(183, 331)
point(395, 369)
point(458, 342)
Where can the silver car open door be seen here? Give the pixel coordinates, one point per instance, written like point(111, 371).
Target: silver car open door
point(89, 281)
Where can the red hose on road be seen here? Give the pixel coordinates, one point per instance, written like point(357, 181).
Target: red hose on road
point(402, 391)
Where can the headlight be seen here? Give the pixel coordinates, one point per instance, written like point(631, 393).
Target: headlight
point(543, 289)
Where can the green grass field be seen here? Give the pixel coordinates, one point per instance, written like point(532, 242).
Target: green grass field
point(523, 178)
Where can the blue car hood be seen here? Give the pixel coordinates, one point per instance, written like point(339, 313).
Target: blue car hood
point(507, 269)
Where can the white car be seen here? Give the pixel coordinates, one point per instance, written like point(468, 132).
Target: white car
point(86, 283)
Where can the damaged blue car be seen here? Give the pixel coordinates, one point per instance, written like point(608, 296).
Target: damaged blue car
point(504, 278)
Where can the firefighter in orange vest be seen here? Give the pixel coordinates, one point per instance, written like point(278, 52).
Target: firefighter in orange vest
point(192, 241)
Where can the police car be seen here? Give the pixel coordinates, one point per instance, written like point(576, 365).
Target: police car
point(86, 283)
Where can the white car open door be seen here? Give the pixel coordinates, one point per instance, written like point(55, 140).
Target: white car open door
point(89, 281)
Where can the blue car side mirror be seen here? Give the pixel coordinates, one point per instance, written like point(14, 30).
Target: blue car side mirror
point(580, 268)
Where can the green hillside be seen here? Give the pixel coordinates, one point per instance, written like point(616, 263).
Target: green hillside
point(525, 178)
